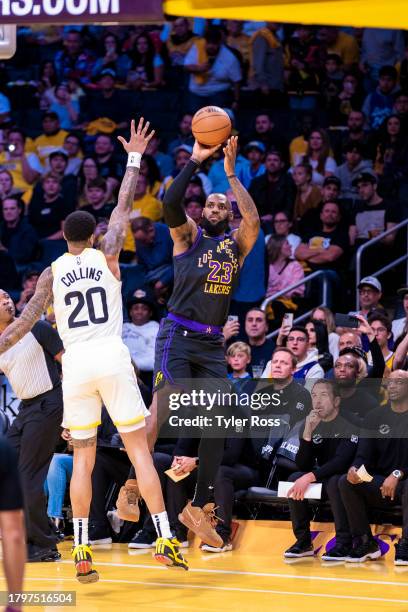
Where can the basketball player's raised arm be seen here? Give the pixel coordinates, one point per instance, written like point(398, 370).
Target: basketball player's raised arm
point(183, 230)
point(40, 301)
point(113, 240)
point(247, 233)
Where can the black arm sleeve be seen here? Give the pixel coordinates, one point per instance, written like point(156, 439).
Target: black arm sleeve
point(377, 371)
point(174, 213)
point(305, 457)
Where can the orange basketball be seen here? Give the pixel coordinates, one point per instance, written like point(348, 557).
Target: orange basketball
point(211, 126)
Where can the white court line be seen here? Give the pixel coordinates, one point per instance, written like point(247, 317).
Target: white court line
point(205, 587)
point(259, 574)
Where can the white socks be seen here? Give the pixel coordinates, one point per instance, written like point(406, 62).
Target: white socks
point(80, 531)
point(161, 523)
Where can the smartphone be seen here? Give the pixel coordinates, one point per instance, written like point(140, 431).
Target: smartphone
point(232, 318)
point(346, 320)
point(287, 319)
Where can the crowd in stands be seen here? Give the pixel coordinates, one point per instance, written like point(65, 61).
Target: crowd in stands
point(322, 119)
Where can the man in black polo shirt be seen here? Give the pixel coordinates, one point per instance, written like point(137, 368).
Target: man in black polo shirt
point(383, 450)
point(327, 447)
point(33, 374)
point(355, 399)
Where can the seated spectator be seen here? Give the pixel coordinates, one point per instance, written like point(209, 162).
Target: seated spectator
point(58, 478)
point(144, 205)
point(385, 458)
point(147, 66)
point(73, 148)
point(194, 206)
point(298, 146)
point(239, 41)
point(303, 61)
point(381, 327)
point(283, 272)
point(273, 191)
point(366, 338)
point(325, 315)
point(150, 169)
point(29, 283)
point(215, 72)
point(154, 249)
point(355, 398)
point(319, 339)
point(379, 47)
point(105, 103)
point(17, 236)
point(345, 100)
point(25, 168)
point(164, 161)
point(255, 154)
point(392, 154)
point(216, 174)
point(179, 42)
point(327, 447)
point(51, 139)
point(65, 107)
point(111, 58)
point(266, 67)
point(139, 334)
point(318, 156)
point(238, 357)
point(46, 84)
point(184, 135)
point(399, 326)
point(356, 134)
point(354, 165)
point(109, 166)
point(182, 156)
point(379, 104)
point(58, 163)
point(342, 44)
point(268, 134)
point(282, 225)
point(97, 205)
point(9, 280)
point(74, 60)
point(401, 109)
point(326, 247)
point(296, 339)
point(370, 293)
point(48, 211)
point(88, 172)
point(373, 216)
point(7, 185)
point(308, 196)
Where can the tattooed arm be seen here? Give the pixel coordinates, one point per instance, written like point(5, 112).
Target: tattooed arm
point(40, 301)
point(113, 240)
point(247, 233)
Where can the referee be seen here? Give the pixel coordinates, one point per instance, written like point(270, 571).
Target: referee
point(11, 520)
point(33, 374)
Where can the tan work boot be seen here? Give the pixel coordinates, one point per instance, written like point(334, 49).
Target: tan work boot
point(128, 501)
point(202, 521)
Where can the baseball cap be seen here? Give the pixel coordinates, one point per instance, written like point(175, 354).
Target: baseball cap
point(371, 281)
point(107, 72)
point(255, 144)
point(403, 291)
point(332, 180)
point(184, 147)
point(140, 296)
point(354, 350)
point(365, 177)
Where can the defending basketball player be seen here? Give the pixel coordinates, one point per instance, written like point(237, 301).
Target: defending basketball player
point(85, 286)
point(207, 261)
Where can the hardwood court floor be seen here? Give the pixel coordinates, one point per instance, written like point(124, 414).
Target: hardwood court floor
point(253, 577)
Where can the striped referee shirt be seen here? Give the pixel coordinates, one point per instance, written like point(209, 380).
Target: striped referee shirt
point(30, 365)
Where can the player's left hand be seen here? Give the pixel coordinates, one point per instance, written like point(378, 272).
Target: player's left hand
point(389, 487)
point(139, 138)
point(230, 155)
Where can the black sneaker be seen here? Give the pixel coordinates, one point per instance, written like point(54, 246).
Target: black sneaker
point(339, 552)
point(143, 539)
point(99, 535)
point(43, 555)
point(299, 549)
point(365, 549)
point(401, 552)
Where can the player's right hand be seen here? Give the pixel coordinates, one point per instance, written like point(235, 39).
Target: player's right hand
point(139, 139)
point(201, 152)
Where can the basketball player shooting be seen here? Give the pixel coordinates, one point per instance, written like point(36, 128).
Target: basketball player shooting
point(85, 286)
point(189, 345)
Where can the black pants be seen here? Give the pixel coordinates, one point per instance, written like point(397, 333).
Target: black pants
point(299, 511)
point(34, 435)
point(111, 464)
point(162, 462)
point(230, 479)
point(357, 499)
point(178, 493)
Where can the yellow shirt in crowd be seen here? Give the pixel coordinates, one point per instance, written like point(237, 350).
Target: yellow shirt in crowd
point(149, 207)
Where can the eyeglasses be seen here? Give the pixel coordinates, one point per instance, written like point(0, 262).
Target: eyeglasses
point(379, 329)
point(297, 339)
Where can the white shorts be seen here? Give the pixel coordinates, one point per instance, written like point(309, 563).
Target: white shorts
point(119, 392)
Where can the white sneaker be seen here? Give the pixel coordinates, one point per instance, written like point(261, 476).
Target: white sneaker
point(217, 549)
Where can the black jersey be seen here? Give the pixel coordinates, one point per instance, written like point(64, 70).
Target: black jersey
point(204, 279)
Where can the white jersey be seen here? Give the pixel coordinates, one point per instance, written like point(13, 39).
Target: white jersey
point(87, 298)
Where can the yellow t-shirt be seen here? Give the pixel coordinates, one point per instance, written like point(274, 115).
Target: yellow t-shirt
point(298, 147)
point(346, 47)
point(44, 145)
point(149, 207)
point(15, 167)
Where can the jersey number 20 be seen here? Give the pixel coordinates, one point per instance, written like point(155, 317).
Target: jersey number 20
point(89, 298)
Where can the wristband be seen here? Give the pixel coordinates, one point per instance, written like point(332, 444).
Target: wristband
point(231, 176)
point(134, 160)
